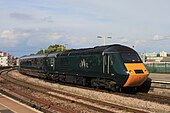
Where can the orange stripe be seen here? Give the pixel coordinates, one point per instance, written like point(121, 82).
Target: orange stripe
point(136, 79)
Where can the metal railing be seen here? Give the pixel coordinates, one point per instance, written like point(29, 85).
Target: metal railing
point(158, 67)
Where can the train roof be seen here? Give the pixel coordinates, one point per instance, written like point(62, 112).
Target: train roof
point(114, 48)
point(121, 48)
point(98, 49)
point(33, 56)
point(54, 54)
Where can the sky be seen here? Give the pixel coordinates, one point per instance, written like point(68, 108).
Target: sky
point(27, 26)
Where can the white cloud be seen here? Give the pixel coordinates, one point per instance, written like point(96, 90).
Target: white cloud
point(83, 21)
point(43, 37)
point(122, 39)
point(55, 36)
point(10, 38)
point(21, 16)
point(30, 37)
point(77, 41)
point(139, 42)
point(160, 37)
point(48, 19)
point(7, 34)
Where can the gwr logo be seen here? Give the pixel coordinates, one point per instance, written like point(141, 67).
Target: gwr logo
point(83, 64)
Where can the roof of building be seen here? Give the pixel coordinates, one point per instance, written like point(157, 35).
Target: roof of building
point(165, 59)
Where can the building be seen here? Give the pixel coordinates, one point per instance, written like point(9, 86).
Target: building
point(165, 59)
point(149, 57)
point(154, 57)
point(3, 60)
point(163, 54)
point(2, 53)
point(6, 59)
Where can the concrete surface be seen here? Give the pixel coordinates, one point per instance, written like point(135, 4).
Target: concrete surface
point(8, 105)
point(160, 77)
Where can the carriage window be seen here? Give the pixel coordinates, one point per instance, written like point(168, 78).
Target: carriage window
point(131, 58)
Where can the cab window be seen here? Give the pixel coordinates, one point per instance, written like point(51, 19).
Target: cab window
point(131, 58)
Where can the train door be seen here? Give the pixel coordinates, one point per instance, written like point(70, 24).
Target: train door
point(51, 63)
point(108, 63)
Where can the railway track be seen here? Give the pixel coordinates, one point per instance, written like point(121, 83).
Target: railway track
point(38, 103)
point(162, 99)
point(96, 105)
point(161, 85)
point(149, 97)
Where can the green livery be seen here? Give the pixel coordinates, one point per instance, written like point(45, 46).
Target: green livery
point(98, 66)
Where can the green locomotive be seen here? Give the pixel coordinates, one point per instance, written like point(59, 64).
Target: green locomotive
point(113, 67)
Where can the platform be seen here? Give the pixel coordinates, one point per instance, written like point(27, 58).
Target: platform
point(160, 77)
point(8, 105)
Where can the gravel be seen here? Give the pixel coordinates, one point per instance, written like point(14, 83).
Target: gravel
point(112, 98)
point(160, 89)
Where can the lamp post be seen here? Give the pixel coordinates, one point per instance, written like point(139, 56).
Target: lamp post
point(104, 38)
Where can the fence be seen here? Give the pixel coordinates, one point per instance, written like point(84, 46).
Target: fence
point(155, 67)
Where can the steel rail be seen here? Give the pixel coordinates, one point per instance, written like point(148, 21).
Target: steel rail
point(38, 103)
point(111, 105)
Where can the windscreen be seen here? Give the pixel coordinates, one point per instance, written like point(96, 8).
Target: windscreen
point(131, 58)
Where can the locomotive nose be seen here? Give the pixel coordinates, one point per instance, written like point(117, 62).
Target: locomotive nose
point(137, 74)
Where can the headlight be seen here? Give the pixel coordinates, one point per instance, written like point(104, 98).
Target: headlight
point(129, 72)
point(146, 71)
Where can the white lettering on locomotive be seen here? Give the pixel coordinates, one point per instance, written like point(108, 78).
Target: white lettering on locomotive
point(83, 64)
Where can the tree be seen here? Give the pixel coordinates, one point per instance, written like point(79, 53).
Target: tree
point(53, 48)
point(40, 52)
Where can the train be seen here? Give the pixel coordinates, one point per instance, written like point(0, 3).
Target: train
point(114, 67)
